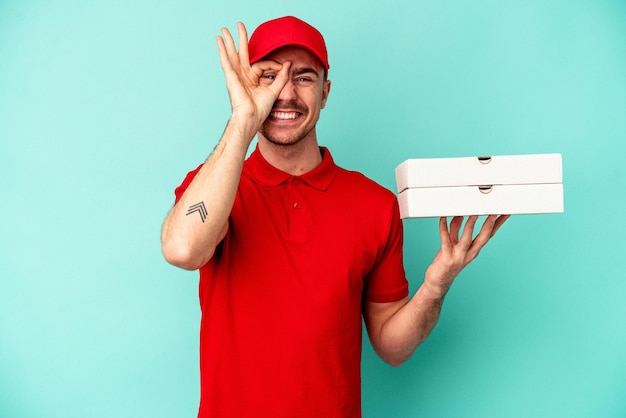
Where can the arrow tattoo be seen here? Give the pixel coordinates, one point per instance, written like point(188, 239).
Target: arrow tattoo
point(200, 208)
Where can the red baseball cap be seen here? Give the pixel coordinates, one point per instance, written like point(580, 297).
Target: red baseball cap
point(288, 30)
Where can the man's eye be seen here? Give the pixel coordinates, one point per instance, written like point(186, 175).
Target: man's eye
point(304, 81)
point(267, 79)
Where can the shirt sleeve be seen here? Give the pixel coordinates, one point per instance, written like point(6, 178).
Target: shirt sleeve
point(178, 192)
point(387, 281)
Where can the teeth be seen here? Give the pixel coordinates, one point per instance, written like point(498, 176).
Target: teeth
point(284, 115)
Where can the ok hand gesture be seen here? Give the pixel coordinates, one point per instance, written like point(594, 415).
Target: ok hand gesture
point(250, 100)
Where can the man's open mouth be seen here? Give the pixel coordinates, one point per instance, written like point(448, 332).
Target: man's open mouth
point(284, 115)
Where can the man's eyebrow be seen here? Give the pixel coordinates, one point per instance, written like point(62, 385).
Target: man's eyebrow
point(304, 70)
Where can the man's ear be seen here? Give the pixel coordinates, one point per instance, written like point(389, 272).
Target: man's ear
point(325, 92)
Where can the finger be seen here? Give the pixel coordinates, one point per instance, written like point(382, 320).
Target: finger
point(443, 233)
point(486, 232)
point(229, 43)
point(499, 222)
point(281, 78)
point(243, 44)
point(260, 67)
point(468, 232)
point(233, 81)
point(227, 65)
point(455, 227)
point(221, 48)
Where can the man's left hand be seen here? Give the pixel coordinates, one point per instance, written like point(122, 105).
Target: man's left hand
point(455, 252)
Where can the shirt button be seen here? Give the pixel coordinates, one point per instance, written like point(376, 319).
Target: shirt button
point(296, 182)
point(296, 205)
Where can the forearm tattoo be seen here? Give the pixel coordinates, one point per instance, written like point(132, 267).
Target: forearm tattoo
point(200, 208)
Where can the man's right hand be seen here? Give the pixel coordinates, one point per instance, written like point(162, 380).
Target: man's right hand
point(251, 101)
point(190, 241)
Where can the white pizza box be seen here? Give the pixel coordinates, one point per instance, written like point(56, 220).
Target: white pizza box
point(475, 171)
point(424, 202)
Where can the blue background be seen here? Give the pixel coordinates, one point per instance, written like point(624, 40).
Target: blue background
point(104, 106)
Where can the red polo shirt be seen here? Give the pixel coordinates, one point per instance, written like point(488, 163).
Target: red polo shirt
point(281, 298)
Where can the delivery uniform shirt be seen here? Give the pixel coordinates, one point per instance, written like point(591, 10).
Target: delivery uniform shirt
point(281, 298)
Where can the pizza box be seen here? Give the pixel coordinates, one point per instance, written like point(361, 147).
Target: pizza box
point(474, 171)
point(512, 184)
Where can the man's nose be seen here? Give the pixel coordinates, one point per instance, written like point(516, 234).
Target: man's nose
point(288, 92)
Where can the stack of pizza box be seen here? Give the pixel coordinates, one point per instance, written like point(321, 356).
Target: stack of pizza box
point(508, 184)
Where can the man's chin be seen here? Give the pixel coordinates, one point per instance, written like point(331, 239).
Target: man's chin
point(284, 140)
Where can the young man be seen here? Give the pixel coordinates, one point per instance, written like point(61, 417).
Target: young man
point(293, 249)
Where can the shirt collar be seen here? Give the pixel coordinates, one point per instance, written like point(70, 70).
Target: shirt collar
point(264, 173)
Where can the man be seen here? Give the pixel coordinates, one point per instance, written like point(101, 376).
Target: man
point(293, 249)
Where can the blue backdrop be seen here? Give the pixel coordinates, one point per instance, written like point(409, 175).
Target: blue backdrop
point(104, 106)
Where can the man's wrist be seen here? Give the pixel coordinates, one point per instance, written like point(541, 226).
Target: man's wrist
point(433, 292)
point(242, 127)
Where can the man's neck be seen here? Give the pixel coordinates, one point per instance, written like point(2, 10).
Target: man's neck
point(294, 159)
